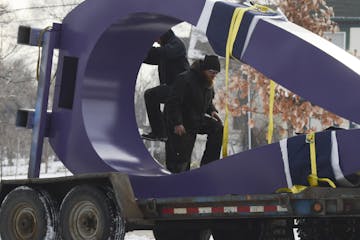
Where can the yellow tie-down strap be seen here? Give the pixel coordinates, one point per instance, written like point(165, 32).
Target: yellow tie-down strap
point(233, 31)
point(313, 178)
point(271, 111)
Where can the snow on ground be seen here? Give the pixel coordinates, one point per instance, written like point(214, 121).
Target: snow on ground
point(19, 169)
point(139, 235)
point(143, 235)
point(148, 235)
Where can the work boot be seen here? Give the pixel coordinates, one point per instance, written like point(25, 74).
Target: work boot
point(153, 137)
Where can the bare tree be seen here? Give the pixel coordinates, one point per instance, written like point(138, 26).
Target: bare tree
point(3, 9)
point(57, 10)
point(17, 89)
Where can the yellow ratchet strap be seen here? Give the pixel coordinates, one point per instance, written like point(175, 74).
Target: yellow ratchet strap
point(313, 178)
point(294, 189)
point(233, 30)
point(234, 27)
point(271, 111)
point(262, 8)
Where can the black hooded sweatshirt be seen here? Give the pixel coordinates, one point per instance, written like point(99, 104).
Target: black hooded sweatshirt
point(170, 58)
point(191, 97)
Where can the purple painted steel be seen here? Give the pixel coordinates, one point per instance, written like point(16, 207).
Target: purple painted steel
point(306, 69)
point(110, 39)
point(100, 134)
point(251, 172)
point(258, 171)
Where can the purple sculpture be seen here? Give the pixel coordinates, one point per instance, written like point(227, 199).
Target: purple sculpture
point(93, 126)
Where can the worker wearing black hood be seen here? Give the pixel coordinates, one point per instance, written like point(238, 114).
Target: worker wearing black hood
point(171, 60)
point(190, 111)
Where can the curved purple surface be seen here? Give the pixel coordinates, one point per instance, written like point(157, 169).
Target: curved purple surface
point(110, 41)
point(308, 65)
point(99, 133)
point(258, 171)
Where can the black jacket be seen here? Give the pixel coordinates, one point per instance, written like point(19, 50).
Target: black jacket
point(191, 97)
point(170, 58)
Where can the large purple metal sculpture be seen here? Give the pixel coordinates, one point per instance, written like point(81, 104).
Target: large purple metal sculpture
point(93, 126)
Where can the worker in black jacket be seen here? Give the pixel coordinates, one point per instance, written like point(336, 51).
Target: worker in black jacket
point(171, 60)
point(190, 111)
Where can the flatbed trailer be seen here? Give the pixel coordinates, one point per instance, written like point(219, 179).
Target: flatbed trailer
point(98, 205)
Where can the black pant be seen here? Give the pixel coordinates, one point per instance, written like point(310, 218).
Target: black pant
point(153, 98)
point(180, 148)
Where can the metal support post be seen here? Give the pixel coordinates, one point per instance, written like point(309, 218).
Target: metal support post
point(49, 43)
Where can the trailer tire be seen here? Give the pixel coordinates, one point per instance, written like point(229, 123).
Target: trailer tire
point(27, 213)
point(90, 213)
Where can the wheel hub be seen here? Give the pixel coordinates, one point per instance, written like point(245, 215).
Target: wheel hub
point(25, 222)
point(85, 220)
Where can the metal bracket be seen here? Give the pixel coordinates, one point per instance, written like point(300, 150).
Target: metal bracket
point(25, 119)
point(31, 36)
